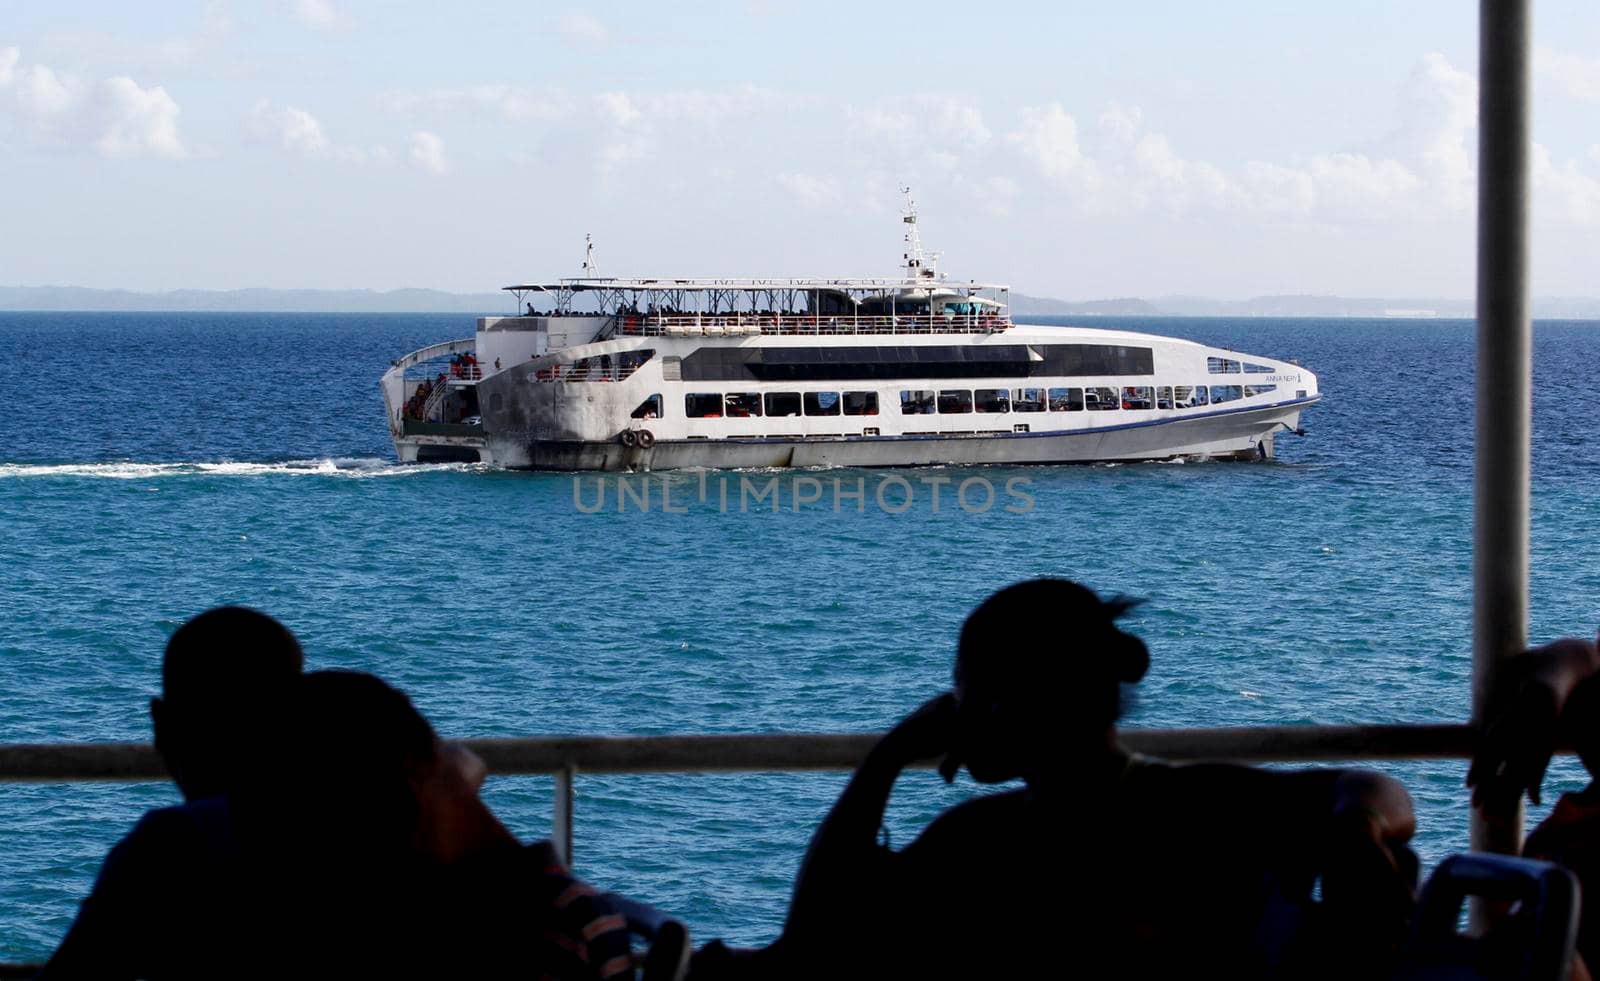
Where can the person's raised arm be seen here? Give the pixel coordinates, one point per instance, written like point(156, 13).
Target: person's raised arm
point(855, 818)
point(1519, 732)
point(843, 865)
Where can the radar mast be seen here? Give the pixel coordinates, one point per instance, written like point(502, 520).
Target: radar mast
point(920, 265)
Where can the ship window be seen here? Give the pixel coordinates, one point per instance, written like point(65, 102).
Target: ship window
point(1200, 397)
point(1066, 400)
point(742, 405)
point(1164, 397)
point(860, 403)
point(955, 401)
point(1250, 390)
point(783, 403)
point(1100, 399)
point(822, 403)
point(916, 403)
point(839, 364)
point(1182, 396)
point(1027, 400)
point(701, 405)
point(650, 408)
point(1222, 366)
point(1257, 369)
point(1226, 393)
point(1138, 397)
point(993, 400)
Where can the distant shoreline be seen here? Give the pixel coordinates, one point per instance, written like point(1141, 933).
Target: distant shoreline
point(73, 299)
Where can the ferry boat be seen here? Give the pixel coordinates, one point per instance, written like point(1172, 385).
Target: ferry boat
point(651, 374)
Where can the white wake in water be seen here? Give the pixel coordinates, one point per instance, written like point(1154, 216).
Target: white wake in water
point(345, 467)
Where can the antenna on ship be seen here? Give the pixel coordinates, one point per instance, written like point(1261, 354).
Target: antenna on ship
point(919, 264)
point(590, 270)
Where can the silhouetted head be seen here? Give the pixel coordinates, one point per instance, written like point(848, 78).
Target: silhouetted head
point(368, 776)
point(1039, 675)
point(225, 678)
point(1580, 722)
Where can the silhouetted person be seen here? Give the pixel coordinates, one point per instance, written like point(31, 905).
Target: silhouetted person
point(1544, 697)
point(1122, 865)
point(162, 902)
point(361, 849)
point(377, 839)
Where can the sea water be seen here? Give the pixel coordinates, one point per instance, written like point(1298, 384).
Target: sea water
point(154, 465)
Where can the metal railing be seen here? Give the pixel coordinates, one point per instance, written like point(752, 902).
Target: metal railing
point(565, 756)
point(786, 325)
point(435, 400)
point(583, 373)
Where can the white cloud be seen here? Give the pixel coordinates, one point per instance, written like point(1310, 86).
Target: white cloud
point(810, 191)
point(136, 121)
point(581, 28)
point(1121, 123)
point(114, 117)
point(319, 15)
point(42, 93)
point(1575, 76)
point(293, 129)
point(1568, 195)
point(631, 128)
point(512, 103)
point(618, 108)
point(1426, 166)
point(298, 132)
point(1048, 137)
point(959, 122)
point(427, 153)
point(1439, 115)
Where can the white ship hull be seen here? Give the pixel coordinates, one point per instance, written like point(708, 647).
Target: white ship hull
point(1241, 434)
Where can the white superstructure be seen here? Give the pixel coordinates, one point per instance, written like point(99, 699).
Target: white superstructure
point(613, 374)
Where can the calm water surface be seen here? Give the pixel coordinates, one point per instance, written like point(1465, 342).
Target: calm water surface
point(155, 465)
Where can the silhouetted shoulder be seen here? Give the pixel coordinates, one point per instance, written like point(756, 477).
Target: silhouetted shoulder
point(158, 906)
point(969, 824)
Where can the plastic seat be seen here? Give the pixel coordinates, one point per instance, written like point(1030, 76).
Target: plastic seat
point(1533, 942)
point(667, 953)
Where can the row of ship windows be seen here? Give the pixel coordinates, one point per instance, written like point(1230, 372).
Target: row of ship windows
point(1228, 366)
point(741, 405)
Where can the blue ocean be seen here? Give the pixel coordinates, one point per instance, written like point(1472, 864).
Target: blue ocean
point(154, 465)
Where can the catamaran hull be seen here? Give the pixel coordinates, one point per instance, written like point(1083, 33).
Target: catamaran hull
point(1241, 435)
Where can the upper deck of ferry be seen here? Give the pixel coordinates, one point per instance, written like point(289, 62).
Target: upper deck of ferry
point(658, 307)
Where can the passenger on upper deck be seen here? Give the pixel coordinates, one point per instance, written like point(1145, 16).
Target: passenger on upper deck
point(1102, 856)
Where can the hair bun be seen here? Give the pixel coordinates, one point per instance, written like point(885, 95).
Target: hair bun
point(1133, 658)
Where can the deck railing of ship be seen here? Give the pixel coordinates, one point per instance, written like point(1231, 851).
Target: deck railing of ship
point(786, 325)
point(583, 373)
point(1500, 547)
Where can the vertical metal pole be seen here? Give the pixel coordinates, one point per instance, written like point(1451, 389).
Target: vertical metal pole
point(561, 813)
point(1504, 410)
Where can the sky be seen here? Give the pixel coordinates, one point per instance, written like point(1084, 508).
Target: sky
point(1073, 149)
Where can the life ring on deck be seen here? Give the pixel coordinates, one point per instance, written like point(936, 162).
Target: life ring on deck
point(629, 438)
point(646, 439)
